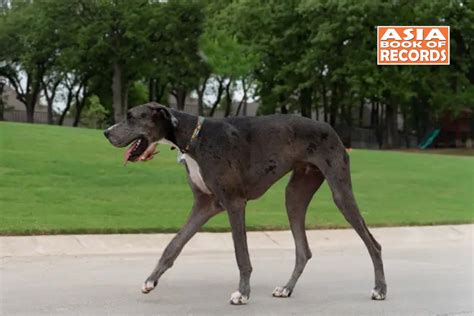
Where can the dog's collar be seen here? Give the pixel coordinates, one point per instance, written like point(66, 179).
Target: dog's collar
point(195, 134)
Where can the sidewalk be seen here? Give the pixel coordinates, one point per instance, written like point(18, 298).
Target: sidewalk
point(429, 271)
point(403, 237)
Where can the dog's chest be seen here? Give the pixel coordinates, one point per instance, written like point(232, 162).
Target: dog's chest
point(194, 173)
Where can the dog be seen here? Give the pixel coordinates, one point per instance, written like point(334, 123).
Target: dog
point(233, 160)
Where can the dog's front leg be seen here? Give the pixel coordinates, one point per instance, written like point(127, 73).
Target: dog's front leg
point(204, 208)
point(236, 212)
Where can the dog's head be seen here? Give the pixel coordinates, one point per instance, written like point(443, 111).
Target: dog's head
point(143, 126)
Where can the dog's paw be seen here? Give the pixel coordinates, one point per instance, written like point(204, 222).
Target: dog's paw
point(238, 298)
point(378, 294)
point(148, 286)
point(281, 292)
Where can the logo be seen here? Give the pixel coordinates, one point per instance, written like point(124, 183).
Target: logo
point(412, 45)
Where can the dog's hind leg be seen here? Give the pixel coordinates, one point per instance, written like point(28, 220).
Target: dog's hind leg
point(205, 206)
point(337, 173)
point(304, 182)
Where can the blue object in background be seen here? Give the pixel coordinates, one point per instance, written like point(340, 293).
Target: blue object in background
point(428, 140)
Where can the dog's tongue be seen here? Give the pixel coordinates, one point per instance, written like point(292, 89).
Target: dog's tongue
point(129, 151)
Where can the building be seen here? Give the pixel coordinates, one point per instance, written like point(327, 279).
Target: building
point(15, 111)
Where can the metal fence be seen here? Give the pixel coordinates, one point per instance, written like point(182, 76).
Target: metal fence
point(359, 137)
point(363, 138)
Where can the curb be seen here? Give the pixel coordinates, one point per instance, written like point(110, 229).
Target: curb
point(73, 245)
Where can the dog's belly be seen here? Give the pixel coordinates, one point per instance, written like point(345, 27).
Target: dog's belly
point(259, 183)
point(195, 174)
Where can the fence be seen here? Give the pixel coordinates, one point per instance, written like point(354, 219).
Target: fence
point(367, 138)
point(40, 117)
point(359, 137)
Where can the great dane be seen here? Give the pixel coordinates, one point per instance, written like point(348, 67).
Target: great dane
point(233, 160)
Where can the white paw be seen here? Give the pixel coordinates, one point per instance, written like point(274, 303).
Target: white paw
point(377, 295)
point(148, 286)
point(281, 292)
point(238, 299)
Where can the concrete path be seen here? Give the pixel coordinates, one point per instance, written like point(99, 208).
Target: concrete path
point(429, 272)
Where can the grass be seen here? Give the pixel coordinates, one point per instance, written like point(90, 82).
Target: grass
point(64, 180)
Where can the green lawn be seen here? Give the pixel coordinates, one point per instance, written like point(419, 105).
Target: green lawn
point(66, 180)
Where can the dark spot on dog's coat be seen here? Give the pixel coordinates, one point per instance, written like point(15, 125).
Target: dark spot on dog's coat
point(324, 136)
point(270, 168)
point(311, 148)
point(328, 162)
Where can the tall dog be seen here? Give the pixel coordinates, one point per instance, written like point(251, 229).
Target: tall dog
point(231, 161)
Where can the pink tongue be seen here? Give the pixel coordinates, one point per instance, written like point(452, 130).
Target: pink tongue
point(129, 151)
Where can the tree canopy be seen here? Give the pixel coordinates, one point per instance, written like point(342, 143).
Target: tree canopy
point(316, 58)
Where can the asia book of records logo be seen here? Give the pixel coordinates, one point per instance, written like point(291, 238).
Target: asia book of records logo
point(412, 45)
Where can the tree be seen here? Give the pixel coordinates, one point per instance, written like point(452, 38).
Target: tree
point(50, 87)
point(28, 50)
point(95, 113)
point(229, 60)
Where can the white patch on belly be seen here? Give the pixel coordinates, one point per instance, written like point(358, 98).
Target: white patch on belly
point(193, 167)
point(195, 173)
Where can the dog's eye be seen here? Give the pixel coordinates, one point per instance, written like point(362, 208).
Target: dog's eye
point(129, 116)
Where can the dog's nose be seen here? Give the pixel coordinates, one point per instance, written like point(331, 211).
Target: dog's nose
point(106, 133)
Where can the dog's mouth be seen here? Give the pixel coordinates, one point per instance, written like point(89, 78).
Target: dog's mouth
point(140, 149)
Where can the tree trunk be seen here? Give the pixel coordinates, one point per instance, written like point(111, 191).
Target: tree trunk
point(391, 130)
point(228, 98)
point(50, 99)
point(325, 101)
point(2, 105)
point(372, 114)
point(220, 91)
point(30, 109)
point(80, 105)
point(31, 100)
point(34, 93)
point(179, 94)
point(243, 101)
point(30, 115)
point(152, 97)
point(361, 112)
point(119, 93)
point(305, 102)
point(200, 92)
point(334, 107)
point(50, 111)
point(200, 102)
point(406, 128)
point(70, 96)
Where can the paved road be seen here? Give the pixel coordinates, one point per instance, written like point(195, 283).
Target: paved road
point(429, 272)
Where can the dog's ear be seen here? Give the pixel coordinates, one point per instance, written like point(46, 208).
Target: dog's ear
point(164, 112)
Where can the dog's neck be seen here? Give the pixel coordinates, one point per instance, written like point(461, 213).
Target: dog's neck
point(184, 131)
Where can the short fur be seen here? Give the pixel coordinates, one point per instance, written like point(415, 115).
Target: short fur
point(239, 159)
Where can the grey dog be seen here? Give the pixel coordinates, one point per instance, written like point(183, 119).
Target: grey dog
point(233, 160)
